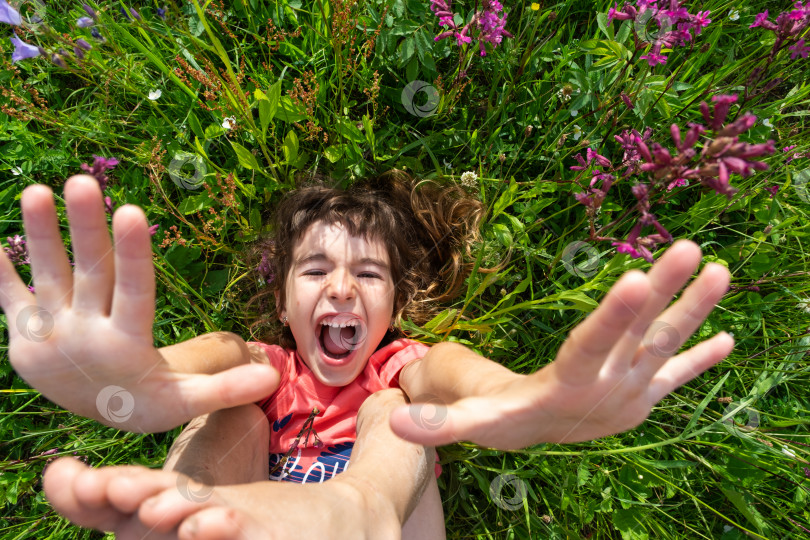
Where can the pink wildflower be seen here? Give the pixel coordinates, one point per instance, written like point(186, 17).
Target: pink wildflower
point(654, 59)
point(799, 49)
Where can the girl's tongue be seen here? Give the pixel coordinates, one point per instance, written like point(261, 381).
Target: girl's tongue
point(338, 341)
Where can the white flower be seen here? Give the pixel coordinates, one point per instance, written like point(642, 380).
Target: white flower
point(788, 452)
point(804, 305)
point(767, 123)
point(447, 165)
point(16, 171)
point(574, 112)
point(733, 15)
point(468, 179)
point(577, 133)
point(154, 95)
point(229, 122)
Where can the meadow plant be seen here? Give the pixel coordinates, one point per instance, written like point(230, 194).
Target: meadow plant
point(602, 131)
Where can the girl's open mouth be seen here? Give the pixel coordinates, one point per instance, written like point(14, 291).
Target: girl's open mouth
point(340, 337)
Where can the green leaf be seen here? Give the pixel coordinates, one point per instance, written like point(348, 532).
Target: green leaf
point(604, 25)
point(750, 513)
point(290, 146)
point(406, 50)
point(335, 152)
point(195, 125)
point(441, 321)
point(503, 235)
point(246, 158)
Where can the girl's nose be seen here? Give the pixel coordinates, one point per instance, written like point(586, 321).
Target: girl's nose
point(341, 285)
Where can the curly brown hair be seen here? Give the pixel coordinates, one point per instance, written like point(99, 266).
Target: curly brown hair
point(428, 230)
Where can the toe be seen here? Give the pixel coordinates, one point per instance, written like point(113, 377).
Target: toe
point(221, 523)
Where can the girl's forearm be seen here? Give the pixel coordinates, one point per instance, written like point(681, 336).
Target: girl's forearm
point(209, 353)
point(450, 371)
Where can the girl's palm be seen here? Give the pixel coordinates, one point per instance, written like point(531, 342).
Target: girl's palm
point(610, 372)
point(85, 340)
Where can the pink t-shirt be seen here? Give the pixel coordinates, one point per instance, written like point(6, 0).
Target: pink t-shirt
point(300, 392)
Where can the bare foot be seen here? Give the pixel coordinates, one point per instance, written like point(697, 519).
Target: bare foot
point(136, 502)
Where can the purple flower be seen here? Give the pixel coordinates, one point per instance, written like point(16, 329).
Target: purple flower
point(760, 19)
point(89, 11)
point(153, 229)
point(17, 252)
point(56, 59)
point(799, 49)
point(161, 12)
point(96, 34)
point(85, 22)
point(9, 15)
point(22, 50)
point(266, 270)
point(700, 21)
point(83, 44)
point(99, 169)
point(654, 59)
point(135, 14)
point(109, 206)
point(79, 53)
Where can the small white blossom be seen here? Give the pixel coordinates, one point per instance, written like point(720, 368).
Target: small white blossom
point(446, 164)
point(229, 122)
point(16, 171)
point(788, 452)
point(577, 133)
point(733, 15)
point(804, 305)
point(154, 95)
point(574, 112)
point(468, 179)
point(767, 123)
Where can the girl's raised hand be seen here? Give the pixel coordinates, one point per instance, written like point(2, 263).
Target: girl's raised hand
point(85, 340)
point(613, 368)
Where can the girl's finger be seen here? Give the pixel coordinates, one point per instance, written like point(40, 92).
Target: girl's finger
point(92, 250)
point(133, 307)
point(584, 353)
point(49, 262)
point(680, 369)
point(668, 275)
point(15, 299)
point(677, 324)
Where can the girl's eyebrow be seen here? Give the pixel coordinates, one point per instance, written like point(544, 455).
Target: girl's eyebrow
point(321, 257)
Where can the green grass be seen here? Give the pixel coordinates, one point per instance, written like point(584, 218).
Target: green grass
point(329, 98)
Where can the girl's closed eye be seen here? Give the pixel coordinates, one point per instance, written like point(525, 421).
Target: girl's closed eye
point(370, 275)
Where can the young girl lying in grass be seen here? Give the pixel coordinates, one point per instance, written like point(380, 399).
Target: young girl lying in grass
point(348, 266)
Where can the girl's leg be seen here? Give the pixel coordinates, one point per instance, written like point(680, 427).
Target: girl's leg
point(225, 447)
point(401, 471)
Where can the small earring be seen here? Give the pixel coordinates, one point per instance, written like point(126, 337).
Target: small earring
point(284, 320)
point(391, 328)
